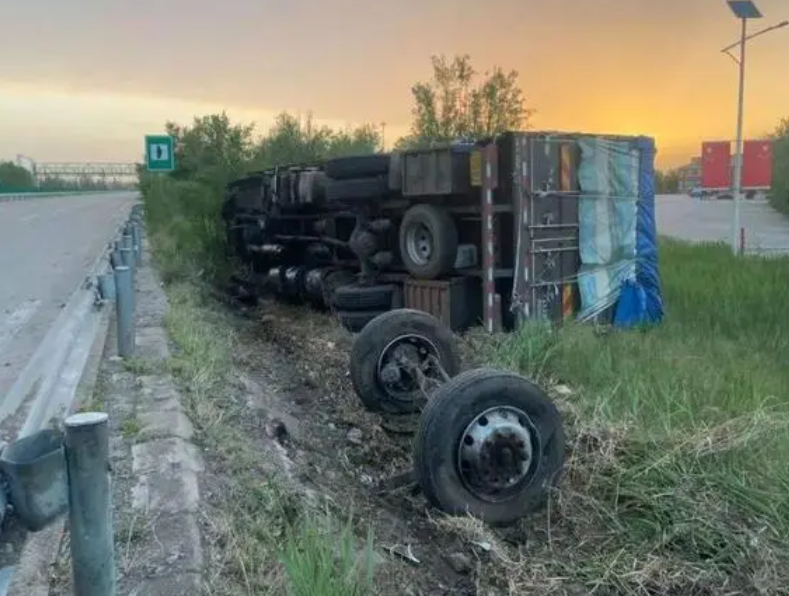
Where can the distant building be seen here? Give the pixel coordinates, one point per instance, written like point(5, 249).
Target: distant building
point(690, 175)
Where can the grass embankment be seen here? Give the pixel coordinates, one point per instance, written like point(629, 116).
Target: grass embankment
point(677, 482)
point(271, 542)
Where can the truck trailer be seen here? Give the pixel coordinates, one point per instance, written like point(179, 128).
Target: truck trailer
point(717, 169)
point(522, 226)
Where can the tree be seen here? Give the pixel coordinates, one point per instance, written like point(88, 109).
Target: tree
point(212, 150)
point(779, 193)
point(14, 177)
point(292, 141)
point(667, 182)
point(451, 106)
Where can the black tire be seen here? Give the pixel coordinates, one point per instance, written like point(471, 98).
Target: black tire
point(424, 225)
point(313, 285)
point(357, 189)
point(355, 320)
point(334, 280)
point(451, 409)
point(369, 347)
point(359, 166)
point(356, 297)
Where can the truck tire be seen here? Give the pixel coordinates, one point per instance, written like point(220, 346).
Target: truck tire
point(355, 297)
point(333, 280)
point(467, 423)
point(359, 166)
point(403, 338)
point(356, 189)
point(428, 241)
point(355, 320)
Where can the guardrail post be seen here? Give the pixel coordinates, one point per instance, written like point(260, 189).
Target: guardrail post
point(90, 504)
point(126, 240)
point(137, 242)
point(115, 259)
point(124, 301)
point(127, 260)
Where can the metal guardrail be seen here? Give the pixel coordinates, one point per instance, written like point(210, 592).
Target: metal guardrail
point(49, 472)
point(25, 196)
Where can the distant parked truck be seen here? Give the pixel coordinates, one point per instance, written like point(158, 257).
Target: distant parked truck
point(717, 169)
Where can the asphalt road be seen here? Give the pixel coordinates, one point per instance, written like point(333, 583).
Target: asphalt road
point(680, 216)
point(47, 247)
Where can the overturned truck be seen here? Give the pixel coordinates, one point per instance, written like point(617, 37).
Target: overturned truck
point(409, 246)
point(535, 225)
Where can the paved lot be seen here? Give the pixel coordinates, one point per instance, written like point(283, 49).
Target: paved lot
point(680, 216)
point(47, 248)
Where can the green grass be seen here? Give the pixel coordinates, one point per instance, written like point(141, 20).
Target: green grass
point(130, 427)
point(267, 540)
point(184, 220)
point(680, 434)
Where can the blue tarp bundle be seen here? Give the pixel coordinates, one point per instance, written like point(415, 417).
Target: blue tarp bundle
point(618, 236)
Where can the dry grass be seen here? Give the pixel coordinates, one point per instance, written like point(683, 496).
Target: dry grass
point(266, 538)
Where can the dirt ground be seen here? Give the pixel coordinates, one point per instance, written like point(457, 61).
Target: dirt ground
point(292, 365)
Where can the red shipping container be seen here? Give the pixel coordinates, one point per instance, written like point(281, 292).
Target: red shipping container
point(716, 165)
point(757, 168)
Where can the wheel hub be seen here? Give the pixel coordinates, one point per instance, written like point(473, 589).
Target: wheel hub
point(496, 453)
point(419, 244)
point(404, 363)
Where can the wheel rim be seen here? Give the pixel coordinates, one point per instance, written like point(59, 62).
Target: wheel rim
point(419, 244)
point(498, 453)
point(405, 363)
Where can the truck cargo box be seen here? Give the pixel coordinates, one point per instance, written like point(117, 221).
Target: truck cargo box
point(716, 165)
point(583, 226)
point(757, 172)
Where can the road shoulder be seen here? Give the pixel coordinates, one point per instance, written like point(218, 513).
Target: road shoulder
point(155, 465)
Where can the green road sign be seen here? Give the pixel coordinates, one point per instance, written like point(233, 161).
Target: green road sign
point(159, 155)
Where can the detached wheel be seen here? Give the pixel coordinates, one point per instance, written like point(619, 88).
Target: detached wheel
point(397, 357)
point(356, 297)
point(490, 444)
point(428, 241)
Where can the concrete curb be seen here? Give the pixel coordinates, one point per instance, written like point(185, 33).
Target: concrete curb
point(165, 463)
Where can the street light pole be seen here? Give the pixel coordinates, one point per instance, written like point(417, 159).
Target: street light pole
point(743, 10)
point(738, 145)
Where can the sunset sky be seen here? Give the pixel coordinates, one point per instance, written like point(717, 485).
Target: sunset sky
point(86, 79)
